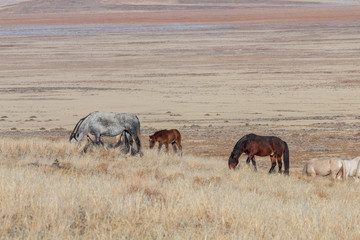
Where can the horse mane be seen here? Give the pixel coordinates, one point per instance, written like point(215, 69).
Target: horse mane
point(158, 132)
point(239, 144)
point(76, 128)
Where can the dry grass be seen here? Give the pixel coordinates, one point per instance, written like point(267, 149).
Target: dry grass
point(104, 195)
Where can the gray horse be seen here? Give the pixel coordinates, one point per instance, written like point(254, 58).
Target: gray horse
point(107, 124)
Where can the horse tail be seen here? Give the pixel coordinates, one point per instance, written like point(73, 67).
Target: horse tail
point(179, 135)
point(137, 140)
point(344, 175)
point(357, 170)
point(138, 136)
point(304, 172)
point(138, 129)
point(76, 128)
point(286, 159)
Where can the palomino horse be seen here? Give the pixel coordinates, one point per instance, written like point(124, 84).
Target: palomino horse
point(254, 145)
point(350, 168)
point(107, 124)
point(323, 167)
point(172, 136)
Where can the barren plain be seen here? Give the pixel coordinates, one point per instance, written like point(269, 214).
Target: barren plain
point(215, 71)
point(216, 75)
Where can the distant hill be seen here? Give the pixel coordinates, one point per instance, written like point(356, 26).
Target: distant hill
point(89, 6)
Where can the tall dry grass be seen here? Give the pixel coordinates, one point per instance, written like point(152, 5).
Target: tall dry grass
point(104, 195)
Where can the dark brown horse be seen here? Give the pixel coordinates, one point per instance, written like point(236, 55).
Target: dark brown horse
point(172, 136)
point(253, 144)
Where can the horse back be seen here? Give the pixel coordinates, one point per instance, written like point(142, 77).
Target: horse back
point(165, 135)
point(264, 145)
point(116, 119)
point(322, 167)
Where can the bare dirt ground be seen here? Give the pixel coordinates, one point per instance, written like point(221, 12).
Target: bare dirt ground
point(215, 73)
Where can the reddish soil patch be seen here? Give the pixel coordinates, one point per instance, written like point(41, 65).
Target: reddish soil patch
point(246, 15)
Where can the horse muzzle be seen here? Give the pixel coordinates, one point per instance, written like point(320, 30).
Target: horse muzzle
point(232, 166)
point(232, 162)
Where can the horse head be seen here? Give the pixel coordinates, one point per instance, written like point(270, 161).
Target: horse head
point(233, 161)
point(79, 132)
point(77, 137)
point(151, 141)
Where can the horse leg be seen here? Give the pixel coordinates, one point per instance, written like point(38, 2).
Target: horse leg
point(131, 145)
point(178, 143)
point(160, 145)
point(98, 140)
point(118, 141)
point(279, 163)
point(167, 147)
point(254, 163)
point(174, 146)
point(138, 144)
point(273, 164)
point(86, 147)
point(88, 143)
point(102, 143)
point(127, 144)
point(252, 158)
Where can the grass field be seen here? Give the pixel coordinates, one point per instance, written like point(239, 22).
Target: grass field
point(215, 70)
point(104, 195)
